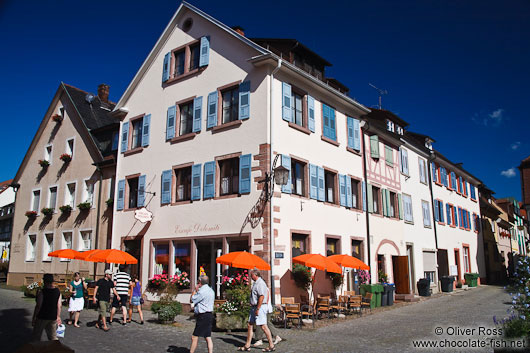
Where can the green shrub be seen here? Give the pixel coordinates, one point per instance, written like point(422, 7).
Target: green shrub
point(155, 307)
point(166, 313)
point(302, 276)
point(516, 328)
point(336, 279)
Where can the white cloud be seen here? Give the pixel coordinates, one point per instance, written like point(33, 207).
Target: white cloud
point(514, 146)
point(509, 173)
point(494, 119)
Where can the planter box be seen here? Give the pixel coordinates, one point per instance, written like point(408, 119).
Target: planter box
point(224, 321)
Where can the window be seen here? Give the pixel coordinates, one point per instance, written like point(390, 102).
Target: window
point(35, 204)
point(297, 108)
point(430, 275)
point(376, 203)
point(407, 208)
point(392, 208)
point(229, 176)
point(389, 157)
point(381, 265)
point(179, 59)
point(356, 249)
point(47, 247)
point(423, 169)
point(472, 192)
point(434, 170)
point(464, 187)
point(404, 161)
point(476, 222)
point(453, 181)
point(136, 133)
point(194, 57)
point(390, 126)
point(132, 184)
point(467, 263)
point(182, 257)
point(183, 184)
point(48, 153)
point(88, 191)
point(439, 211)
point(186, 118)
point(115, 141)
point(70, 147)
point(161, 259)
point(332, 246)
point(399, 130)
point(230, 101)
point(374, 146)
point(69, 196)
point(426, 213)
point(86, 240)
point(31, 247)
point(52, 201)
point(330, 186)
point(355, 187)
point(300, 244)
point(328, 122)
point(298, 170)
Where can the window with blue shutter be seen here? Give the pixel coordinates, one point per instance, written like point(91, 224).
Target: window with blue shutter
point(434, 174)
point(311, 113)
point(329, 122)
point(374, 146)
point(441, 208)
point(453, 180)
point(170, 122)
point(209, 180)
point(244, 100)
point(389, 156)
point(165, 187)
point(204, 59)
point(146, 128)
point(197, 114)
point(141, 191)
point(356, 135)
point(313, 181)
point(196, 181)
point(165, 68)
point(342, 190)
point(472, 192)
point(212, 110)
point(436, 211)
point(365, 201)
point(286, 102)
point(448, 213)
point(369, 198)
point(121, 195)
point(245, 162)
point(384, 201)
point(455, 212)
point(349, 123)
point(400, 205)
point(349, 197)
point(286, 163)
point(321, 185)
point(124, 136)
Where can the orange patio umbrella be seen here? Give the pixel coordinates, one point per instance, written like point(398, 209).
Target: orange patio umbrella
point(318, 261)
point(349, 261)
point(243, 259)
point(112, 256)
point(83, 255)
point(65, 254)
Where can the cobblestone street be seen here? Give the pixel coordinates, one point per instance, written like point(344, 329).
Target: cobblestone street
point(387, 331)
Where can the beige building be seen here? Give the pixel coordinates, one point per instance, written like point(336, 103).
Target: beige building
point(64, 183)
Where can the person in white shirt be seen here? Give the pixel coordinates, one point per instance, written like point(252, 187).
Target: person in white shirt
point(203, 299)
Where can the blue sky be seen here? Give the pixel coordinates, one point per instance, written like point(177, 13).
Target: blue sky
point(455, 70)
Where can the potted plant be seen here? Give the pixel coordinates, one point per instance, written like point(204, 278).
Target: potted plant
point(32, 289)
point(57, 118)
point(302, 276)
point(65, 209)
point(110, 202)
point(383, 278)
point(233, 314)
point(336, 279)
point(166, 309)
point(44, 163)
point(84, 206)
point(364, 276)
point(31, 214)
point(46, 211)
point(65, 157)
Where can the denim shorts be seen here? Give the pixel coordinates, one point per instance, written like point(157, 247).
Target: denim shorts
point(136, 300)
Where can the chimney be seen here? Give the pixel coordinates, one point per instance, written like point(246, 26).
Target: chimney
point(239, 30)
point(103, 92)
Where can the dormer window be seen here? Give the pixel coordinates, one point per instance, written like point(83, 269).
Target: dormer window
point(390, 126)
point(399, 130)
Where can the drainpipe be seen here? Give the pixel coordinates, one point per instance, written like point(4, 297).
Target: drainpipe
point(98, 215)
point(271, 235)
point(429, 168)
point(15, 187)
point(366, 127)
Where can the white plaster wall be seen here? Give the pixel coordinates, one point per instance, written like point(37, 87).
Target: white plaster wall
point(7, 197)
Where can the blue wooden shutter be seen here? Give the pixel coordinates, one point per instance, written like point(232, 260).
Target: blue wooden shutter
point(165, 68)
point(436, 211)
point(349, 198)
point(286, 102)
point(321, 185)
point(453, 180)
point(313, 181)
point(244, 173)
point(441, 211)
point(165, 187)
point(387, 192)
point(209, 180)
point(350, 131)
point(364, 195)
point(369, 198)
point(212, 110)
point(197, 114)
point(472, 191)
point(204, 59)
point(311, 113)
point(124, 136)
point(121, 195)
point(332, 124)
point(455, 210)
point(374, 146)
point(448, 213)
point(342, 190)
point(325, 120)
point(356, 135)
point(286, 163)
point(244, 100)
point(433, 169)
point(196, 181)
point(400, 205)
point(170, 123)
point(141, 191)
point(146, 129)
point(384, 202)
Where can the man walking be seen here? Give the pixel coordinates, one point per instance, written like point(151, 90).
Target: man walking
point(102, 293)
point(122, 282)
point(260, 307)
point(202, 299)
point(47, 313)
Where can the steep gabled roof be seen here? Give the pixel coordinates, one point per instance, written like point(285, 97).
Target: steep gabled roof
point(95, 114)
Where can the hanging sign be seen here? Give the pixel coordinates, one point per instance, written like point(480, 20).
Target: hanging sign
point(143, 215)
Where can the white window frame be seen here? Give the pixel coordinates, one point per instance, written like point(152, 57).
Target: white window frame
point(45, 247)
point(28, 242)
point(411, 221)
point(85, 191)
point(423, 162)
point(67, 193)
point(465, 256)
point(81, 244)
point(67, 147)
point(111, 191)
point(63, 242)
point(48, 157)
point(390, 126)
point(33, 199)
point(55, 207)
point(401, 169)
point(426, 215)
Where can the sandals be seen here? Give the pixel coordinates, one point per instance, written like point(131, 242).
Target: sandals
point(76, 325)
point(269, 349)
point(244, 349)
point(106, 329)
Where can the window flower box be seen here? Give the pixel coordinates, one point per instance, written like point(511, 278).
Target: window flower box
point(65, 157)
point(44, 163)
point(84, 206)
point(57, 118)
point(46, 211)
point(65, 209)
point(31, 214)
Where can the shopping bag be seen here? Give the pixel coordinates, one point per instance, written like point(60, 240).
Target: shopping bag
point(60, 330)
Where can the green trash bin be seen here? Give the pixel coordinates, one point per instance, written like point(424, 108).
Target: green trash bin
point(471, 279)
point(376, 290)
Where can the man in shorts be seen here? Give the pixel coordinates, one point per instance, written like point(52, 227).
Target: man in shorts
point(102, 294)
point(203, 298)
point(122, 282)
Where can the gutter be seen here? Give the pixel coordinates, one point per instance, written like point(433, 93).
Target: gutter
point(365, 127)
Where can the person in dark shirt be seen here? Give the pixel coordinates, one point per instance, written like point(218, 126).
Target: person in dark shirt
point(47, 313)
point(102, 294)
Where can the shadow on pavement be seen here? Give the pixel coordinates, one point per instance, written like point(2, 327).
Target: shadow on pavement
point(15, 329)
point(175, 349)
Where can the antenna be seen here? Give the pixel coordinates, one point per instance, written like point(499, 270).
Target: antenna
point(381, 93)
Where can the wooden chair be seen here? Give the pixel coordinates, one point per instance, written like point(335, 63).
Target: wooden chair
point(90, 295)
point(304, 299)
point(287, 300)
point(366, 301)
point(292, 312)
point(354, 304)
point(342, 305)
point(349, 293)
point(323, 306)
point(308, 311)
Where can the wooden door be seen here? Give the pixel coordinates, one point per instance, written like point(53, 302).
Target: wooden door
point(400, 265)
point(443, 263)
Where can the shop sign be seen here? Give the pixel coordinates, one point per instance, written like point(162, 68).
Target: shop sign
point(278, 255)
point(197, 228)
point(143, 215)
point(453, 270)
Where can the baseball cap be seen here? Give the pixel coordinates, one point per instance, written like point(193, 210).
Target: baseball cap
point(108, 272)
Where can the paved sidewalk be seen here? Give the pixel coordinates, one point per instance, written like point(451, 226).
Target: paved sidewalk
point(386, 331)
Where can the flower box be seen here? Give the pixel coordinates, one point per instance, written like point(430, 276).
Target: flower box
point(44, 163)
point(47, 211)
point(57, 118)
point(84, 206)
point(224, 321)
point(31, 214)
point(65, 157)
point(65, 209)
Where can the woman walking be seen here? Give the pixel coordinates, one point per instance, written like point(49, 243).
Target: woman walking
point(77, 302)
point(136, 298)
